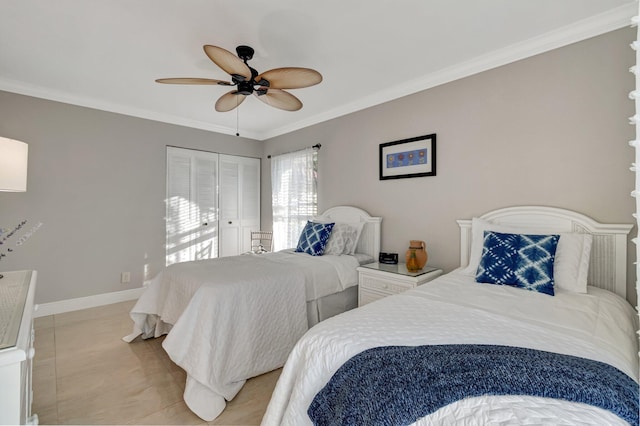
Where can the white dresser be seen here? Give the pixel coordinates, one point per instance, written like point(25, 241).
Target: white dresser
point(17, 290)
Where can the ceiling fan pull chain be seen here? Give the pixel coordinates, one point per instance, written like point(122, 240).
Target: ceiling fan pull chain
point(237, 122)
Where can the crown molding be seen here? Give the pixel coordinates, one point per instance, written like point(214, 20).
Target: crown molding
point(591, 27)
point(99, 104)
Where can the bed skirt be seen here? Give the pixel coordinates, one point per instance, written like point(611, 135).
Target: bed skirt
point(331, 305)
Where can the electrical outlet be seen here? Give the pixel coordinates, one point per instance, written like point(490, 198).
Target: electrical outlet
point(125, 277)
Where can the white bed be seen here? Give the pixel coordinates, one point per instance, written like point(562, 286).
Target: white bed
point(234, 318)
point(453, 309)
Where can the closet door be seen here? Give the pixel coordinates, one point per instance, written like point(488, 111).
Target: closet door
point(250, 195)
point(192, 205)
point(239, 197)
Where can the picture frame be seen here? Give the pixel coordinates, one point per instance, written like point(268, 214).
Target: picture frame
point(408, 158)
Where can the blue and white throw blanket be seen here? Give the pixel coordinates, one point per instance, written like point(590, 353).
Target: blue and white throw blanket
point(397, 385)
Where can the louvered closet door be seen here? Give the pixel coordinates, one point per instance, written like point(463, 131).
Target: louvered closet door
point(250, 194)
point(192, 205)
point(239, 197)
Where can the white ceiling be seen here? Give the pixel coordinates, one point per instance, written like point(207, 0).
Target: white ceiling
point(106, 54)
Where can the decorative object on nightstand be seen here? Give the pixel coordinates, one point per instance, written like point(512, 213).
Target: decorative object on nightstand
point(6, 234)
point(378, 280)
point(416, 256)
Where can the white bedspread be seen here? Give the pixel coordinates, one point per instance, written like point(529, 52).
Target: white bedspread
point(454, 309)
point(233, 318)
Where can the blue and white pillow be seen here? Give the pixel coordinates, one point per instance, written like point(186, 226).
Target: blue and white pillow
point(497, 264)
point(314, 237)
point(518, 260)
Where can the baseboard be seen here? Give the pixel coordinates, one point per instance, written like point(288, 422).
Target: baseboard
point(62, 306)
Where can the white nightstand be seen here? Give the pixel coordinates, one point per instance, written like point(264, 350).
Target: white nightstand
point(378, 280)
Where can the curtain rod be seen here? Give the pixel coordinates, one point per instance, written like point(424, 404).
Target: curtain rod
point(316, 146)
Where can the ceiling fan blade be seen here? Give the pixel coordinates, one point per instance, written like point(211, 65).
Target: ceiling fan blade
point(193, 81)
point(226, 60)
point(279, 99)
point(229, 101)
point(290, 78)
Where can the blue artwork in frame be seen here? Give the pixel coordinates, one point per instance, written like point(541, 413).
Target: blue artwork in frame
point(407, 158)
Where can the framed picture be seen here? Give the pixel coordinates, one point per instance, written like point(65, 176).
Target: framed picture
point(407, 158)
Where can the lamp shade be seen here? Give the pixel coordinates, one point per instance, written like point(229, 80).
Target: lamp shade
point(13, 165)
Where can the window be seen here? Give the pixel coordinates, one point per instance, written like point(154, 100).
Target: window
point(294, 192)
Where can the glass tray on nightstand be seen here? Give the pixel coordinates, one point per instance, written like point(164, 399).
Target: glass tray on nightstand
point(400, 269)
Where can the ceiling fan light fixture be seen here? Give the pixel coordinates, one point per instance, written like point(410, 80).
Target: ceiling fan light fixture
point(245, 88)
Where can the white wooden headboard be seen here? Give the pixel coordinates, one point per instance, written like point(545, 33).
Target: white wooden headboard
point(369, 242)
point(608, 261)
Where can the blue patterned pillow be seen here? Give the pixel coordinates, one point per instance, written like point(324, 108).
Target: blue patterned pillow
point(534, 269)
point(518, 260)
point(497, 264)
point(314, 238)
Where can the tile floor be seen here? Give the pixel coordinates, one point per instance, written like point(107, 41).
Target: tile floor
point(85, 374)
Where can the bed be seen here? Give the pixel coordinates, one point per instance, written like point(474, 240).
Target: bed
point(455, 351)
point(233, 318)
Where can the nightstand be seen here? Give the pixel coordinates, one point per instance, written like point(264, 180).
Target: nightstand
point(378, 280)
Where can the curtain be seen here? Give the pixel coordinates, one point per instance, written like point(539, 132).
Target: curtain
point(635, 120)
point(294, 194)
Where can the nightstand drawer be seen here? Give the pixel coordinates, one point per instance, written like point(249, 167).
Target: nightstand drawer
point(367, 296)
point(386, 286)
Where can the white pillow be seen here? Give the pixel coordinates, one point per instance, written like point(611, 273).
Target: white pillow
point(352, 244)
point(340, 237)
point(571, 265)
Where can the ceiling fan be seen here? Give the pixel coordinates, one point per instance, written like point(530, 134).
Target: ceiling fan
point(268, 86)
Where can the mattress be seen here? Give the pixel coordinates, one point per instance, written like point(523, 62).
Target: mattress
point(454, 309)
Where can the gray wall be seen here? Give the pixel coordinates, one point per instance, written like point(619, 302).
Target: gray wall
point(549, 130)
point(97, 182)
